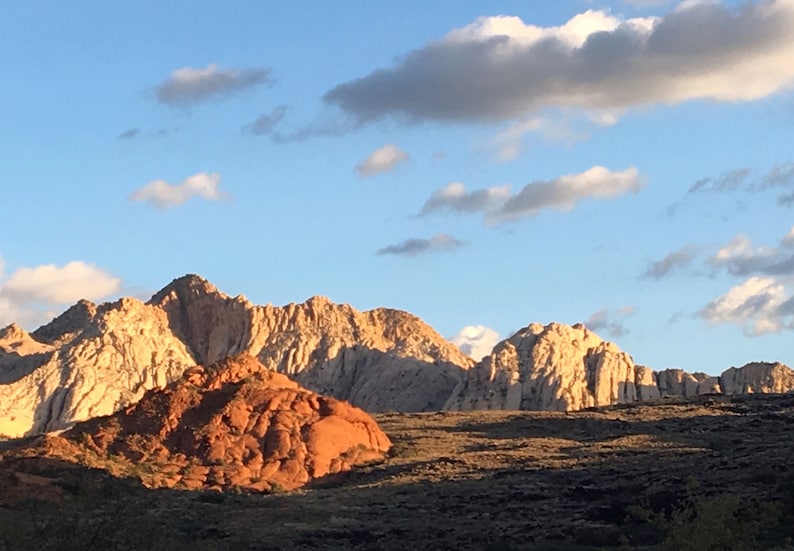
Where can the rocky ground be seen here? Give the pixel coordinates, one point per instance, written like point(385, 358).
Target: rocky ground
point(713, 473)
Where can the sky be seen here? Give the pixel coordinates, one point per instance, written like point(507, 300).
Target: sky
point(481, 164)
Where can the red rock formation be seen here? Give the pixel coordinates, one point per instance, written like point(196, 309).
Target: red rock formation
point(231, 425)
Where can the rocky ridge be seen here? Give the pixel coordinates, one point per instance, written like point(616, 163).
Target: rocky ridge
point(94, 360)
point(566, 368)
point(230, 425)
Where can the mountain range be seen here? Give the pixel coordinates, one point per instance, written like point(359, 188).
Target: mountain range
point(94, 360)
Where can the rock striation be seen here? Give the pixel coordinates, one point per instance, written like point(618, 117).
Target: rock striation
point(95, 360)
point(232, 425)
point(564, 368)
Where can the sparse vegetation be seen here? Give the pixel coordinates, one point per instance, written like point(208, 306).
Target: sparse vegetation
point(650, 477)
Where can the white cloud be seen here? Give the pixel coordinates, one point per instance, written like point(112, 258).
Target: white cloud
point(759, 304)
point(740, 258)
point(454, 197)
point(441, 242)
point(163, 195)
point(33, 295)
point(563, 193)
point(381, 160)
point(476, 341)
point(188, 85)
point(500, 68)
point(59, 285)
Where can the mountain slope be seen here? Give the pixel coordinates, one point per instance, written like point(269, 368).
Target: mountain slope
point(93, 361)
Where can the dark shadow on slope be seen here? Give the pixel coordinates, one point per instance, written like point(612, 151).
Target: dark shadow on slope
point(49, 409)
point(378, 381)
point(409, 501)
point(14, 366)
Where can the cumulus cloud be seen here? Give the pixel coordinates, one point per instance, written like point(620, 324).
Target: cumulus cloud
point(188, 86)
point(454, 197)
point(611, 323)
point(476, 341)
point(162, 195)
point(501, 68)
point(565, 192)
point(740, 258)
point(759, 305)
point(265, 124)
point(441, 242)
point(384, 159)
point(32, 295)
point(671, 262)
point(498, 204)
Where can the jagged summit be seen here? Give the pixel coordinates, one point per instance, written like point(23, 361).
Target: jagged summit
point(12, 331)
point(106, 357)
point(92, 361)
point(186, 288)
point(68, 324)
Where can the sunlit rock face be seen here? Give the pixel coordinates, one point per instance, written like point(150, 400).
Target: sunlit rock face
point(230, 425)
point(94, 360)
point(554, 367)
point(562, 368)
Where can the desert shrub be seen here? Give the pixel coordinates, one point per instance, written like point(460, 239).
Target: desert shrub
point(720, 523)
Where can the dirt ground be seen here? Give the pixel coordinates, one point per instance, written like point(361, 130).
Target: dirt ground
point(715, 473)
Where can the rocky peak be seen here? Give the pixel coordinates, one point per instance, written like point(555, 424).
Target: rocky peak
point(229, 425)
point(67, 325)
point(12, 332)
point(186, 289)
point(551, 367)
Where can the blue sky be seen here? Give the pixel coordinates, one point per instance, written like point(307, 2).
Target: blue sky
point(483, 165)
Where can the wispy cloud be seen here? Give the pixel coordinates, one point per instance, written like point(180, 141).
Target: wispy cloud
point(265, 124)
point(188, 86)
point(500, 68)
point(672, 262)
point(129, 134)
point(610, 322)
point(441, 242)
point(384, 159)
point(498, 204)
point(162, 195)
point(727, 181)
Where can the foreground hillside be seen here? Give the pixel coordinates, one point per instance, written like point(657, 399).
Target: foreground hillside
point(706, 473)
